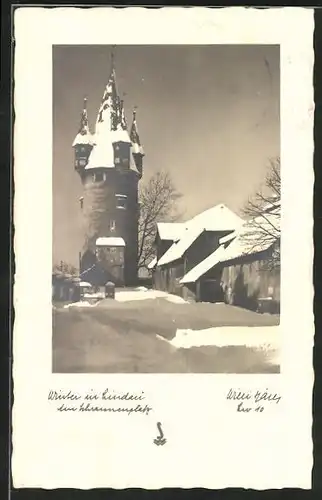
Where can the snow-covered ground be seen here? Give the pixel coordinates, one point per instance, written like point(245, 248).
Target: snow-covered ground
point(97, 295)
point(82, 303)
point(142, 293)
point(265, 338)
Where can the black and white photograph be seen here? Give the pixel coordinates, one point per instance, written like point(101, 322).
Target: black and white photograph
point(166, 209)
point(163, 238)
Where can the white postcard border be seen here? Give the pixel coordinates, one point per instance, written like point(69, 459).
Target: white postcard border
point(209, 445)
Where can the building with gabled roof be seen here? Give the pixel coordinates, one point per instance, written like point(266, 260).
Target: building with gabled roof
point(239, 271)
point(219, 219)
point(110, 165)
point(243, 242)
point(191, 242)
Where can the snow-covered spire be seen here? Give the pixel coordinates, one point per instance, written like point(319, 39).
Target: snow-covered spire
point(83, 136)
point(108, 107)
point(123, 118)
point(111, 123)
point(135, 138)
point(110, 126)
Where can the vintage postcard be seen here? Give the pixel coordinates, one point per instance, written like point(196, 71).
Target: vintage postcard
point(163, 241)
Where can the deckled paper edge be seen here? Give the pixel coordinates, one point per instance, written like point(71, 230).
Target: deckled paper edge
point(34, 25)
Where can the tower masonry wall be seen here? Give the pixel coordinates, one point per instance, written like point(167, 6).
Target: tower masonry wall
point(102, 217)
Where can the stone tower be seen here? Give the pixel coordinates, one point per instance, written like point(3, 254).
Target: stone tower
point(110, 165)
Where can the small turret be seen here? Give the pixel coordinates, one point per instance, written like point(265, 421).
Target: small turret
point(122, 141)
point(83, 142)
point(137, 149)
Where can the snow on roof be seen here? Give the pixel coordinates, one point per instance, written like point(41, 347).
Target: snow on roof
point(110, 242)
point(135, 138)
point(110, 128)
point(132, 163)
point(228, 237)
point(102, 155)
point(178, 248)
point(218, 218)
point(203, 266)
point(170, 231)
point(152, 264)
point(84, 284)
point(137, 149)
point(84, 136)
point(256, 235)
point(83, 139)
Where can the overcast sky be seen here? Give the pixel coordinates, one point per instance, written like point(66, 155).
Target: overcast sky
point(207, 114)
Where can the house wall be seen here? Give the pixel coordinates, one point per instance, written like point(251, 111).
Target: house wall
point(189, 292)
point(64, 290)
point(166, 278)
point(245, 281)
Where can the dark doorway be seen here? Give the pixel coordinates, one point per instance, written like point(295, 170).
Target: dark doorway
point(211, 291)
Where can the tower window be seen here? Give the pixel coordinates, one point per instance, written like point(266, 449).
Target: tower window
point(81, 202)
point(121, 201)
point(99, 177)
point(82, 163)
point(117, 160)
point(112, 225)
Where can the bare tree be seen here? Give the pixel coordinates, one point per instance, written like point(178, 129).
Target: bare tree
point(65, 268)
point(158, 203)
point(263, 214)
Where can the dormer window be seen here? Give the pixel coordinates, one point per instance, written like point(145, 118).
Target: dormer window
point(121, 201)
point(122, 154)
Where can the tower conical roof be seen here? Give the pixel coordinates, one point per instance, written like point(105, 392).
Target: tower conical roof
point(110, 119)
point(83, 136)
point(135, 138)
point(110, 126)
